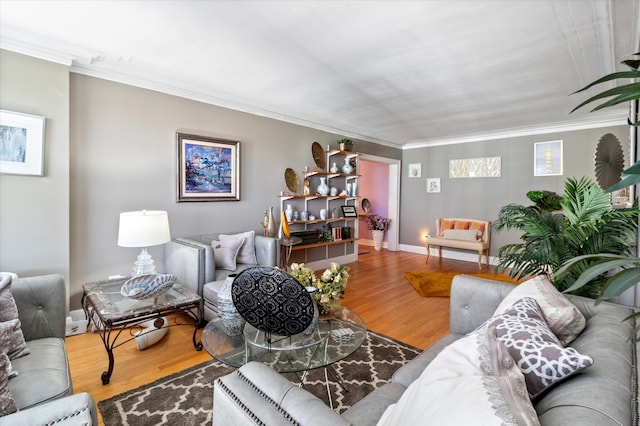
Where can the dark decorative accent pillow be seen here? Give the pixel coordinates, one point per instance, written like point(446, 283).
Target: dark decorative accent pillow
point(273, 301)
point(534, 347)
point(16, 346)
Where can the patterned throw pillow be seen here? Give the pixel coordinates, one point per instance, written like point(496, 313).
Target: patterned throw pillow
point(564, 319)
point(225, 252)
point(16, 346)
point(247, 253)
point(534, 347)
point(472, 381)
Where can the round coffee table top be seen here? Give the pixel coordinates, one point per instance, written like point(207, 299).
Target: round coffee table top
point(338, 335)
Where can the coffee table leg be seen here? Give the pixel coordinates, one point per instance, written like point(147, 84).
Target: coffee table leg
point(106, 375)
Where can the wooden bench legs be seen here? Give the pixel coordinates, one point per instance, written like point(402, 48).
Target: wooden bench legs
point(480, 253)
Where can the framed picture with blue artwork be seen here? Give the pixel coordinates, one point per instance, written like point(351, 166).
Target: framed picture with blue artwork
point(208, 168)
point(21, 143)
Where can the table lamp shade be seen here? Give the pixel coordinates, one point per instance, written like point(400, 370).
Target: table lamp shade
point(144, 228)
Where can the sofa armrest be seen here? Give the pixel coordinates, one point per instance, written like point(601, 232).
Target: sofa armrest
point(256, 394)
point(72, 410)
point(41, 302)
point(267, 251)
point(473, 301)
point(191, 261)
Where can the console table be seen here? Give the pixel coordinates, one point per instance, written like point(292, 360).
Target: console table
point(113, 313)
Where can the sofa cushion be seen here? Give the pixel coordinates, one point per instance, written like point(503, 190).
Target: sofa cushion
point(537, 351)
point(16, 346)
point(47, 367)
point(472, 381)
point(247, 253)
point(226, 252)
point(461, 234)
point(563, 317)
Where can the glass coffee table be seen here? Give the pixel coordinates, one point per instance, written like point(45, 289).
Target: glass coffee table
point(337, 336)
point(113, 313)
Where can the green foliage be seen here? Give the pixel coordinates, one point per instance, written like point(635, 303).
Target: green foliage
point(545, 200)
point(344, 141)
point(583, 224)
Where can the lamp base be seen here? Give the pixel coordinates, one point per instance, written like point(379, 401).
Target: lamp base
point(144, 265)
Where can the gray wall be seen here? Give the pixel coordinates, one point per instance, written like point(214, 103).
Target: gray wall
point(483, 197)
point(34, 211)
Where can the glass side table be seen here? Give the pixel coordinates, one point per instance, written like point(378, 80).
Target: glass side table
point(113, 313)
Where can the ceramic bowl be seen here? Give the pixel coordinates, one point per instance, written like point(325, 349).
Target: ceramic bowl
point(147, 286)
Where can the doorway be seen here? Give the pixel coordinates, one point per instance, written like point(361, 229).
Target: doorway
point(381, 186)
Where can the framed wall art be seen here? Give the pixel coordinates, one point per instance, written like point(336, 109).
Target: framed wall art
point(475, 167)
point(433, 185)
point(415, 170)
point(547, 158)
point(21, 143)
point(349, 211)
point(208, 169)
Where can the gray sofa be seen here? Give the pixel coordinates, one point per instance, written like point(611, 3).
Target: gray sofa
point(603, 394)
point(192, 260)
point(42, 390)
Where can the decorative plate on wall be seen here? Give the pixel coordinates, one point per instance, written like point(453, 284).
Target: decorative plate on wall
point(318, 155)
point(609, 161)
point(291, 179)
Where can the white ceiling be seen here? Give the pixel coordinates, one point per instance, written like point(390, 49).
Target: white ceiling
point(403, 73)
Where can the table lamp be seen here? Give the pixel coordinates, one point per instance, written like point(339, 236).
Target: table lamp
point(143, 229)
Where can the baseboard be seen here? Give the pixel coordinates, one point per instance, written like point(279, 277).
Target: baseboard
point(447, 253)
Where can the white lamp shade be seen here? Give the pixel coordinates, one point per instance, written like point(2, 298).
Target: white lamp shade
point(144, 228)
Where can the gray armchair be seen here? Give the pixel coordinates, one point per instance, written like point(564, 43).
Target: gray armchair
point(42, 390)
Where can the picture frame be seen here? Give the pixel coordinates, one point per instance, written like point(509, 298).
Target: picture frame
point(21, 143)
point(433, 185)
point(415, 170)
point(349, 211)
point(547, 157)
point(208, 168)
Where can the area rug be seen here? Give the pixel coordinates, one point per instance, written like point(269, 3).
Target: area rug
point(438, 284)
point(186, 397)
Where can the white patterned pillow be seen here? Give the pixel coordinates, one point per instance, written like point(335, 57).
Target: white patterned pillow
point(472, 381)
point(461, 234)
point(564, 319)
point(247, 253)
point(534, 347)
point(225, 252)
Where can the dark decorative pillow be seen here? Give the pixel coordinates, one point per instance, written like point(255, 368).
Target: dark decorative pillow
point(9, 314)
point(534, 347)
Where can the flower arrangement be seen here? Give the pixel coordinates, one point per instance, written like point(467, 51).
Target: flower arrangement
point(303, 274)
point(330, 285)
point(376, 222)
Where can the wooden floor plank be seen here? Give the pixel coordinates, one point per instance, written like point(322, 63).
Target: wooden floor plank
point(377, 290)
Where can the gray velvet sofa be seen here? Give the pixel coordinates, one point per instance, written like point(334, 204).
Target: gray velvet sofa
point(42, 390)
point(192, 260)
point(603, 394)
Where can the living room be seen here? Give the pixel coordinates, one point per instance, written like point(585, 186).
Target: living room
point(111, 147)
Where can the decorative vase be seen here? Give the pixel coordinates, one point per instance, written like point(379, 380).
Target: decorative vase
point(323, 188)
point(327, 308)
point(289, 213)
point(347, 169)
point(377, 239)
point(271, 225)
point(231, 319)
point(334, 168)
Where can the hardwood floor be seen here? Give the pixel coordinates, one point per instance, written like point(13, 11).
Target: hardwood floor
point(377, 291)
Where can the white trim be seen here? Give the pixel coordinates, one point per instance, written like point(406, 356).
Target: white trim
point(447, 253)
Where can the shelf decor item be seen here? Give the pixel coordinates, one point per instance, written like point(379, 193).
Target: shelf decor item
point(345, 144)
point(323, 188)
point(147, 286)
point(347, 169)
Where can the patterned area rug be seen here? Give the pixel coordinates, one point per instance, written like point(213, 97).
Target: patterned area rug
point(186, 397)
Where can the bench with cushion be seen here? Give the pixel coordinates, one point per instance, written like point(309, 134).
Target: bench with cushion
point(461, 233)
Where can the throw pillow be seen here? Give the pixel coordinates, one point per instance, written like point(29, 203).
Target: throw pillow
point(17, 347)
point(564, 319)
point(247, 254)
point(461, 234)
point(225, 252)
point(444, 224)
point(534, 347)
point(472, 381)
point(478, 227)
point(460, 224)
point(7, 403)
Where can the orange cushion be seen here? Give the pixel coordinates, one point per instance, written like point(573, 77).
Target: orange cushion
point(479, 226)
point(459, 224)
point(445, 224)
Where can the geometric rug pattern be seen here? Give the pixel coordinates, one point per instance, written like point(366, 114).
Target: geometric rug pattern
point(186, 398)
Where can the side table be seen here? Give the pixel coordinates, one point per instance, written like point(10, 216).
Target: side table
point(113, 313)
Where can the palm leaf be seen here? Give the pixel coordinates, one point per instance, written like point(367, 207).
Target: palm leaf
point(621, 282)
